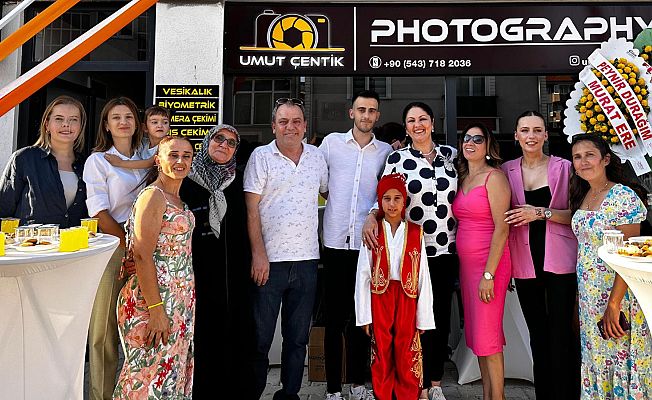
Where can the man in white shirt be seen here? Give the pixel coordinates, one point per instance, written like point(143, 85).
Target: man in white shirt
point(355, 160)
point(281, 183)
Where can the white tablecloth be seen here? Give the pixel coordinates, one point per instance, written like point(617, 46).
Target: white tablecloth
point(45, 307)
point(637, 275)
point(517, 353)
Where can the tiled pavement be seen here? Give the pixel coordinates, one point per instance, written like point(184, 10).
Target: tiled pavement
point(514, 389)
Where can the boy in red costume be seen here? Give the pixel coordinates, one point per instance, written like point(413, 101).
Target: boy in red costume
point(393, 296)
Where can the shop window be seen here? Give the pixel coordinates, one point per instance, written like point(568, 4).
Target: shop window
point(475, 86)
point(379, 84)
point(129, 44)
point(254, 99)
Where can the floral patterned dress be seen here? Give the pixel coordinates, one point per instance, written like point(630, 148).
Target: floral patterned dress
point(614, 368)
point(165, 371)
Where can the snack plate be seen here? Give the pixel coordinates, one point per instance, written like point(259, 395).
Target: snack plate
point(36, 249)
point(639, 239)
point(637, 259)
point(99, 235)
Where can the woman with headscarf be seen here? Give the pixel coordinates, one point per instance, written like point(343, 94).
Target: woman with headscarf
point(213, 169)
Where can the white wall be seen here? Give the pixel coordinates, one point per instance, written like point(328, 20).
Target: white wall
point(9, 71)
point(189, 43)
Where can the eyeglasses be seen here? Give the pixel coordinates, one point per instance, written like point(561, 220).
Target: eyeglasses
point(477, 139)
point(219, 139)
point(290, 101)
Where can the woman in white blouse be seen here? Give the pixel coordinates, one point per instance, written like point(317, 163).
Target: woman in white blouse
point(110, 194)
point(431, 187)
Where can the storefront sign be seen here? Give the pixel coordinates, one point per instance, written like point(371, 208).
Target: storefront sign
point(417, 39)
point(194, 109)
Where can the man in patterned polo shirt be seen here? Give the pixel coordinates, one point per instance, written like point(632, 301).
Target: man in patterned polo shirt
point(281, 183)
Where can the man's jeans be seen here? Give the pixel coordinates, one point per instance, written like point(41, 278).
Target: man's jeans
point(295, 284)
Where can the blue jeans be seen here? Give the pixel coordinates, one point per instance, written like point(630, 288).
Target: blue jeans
point(294, 283)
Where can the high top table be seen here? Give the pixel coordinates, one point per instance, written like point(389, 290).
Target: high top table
point(46, 300)
point(637, 275)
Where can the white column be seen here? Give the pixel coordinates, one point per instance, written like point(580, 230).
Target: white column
point(9, 71)
point(189, 43)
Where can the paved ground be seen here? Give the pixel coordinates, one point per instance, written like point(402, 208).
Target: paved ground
point(514, 389)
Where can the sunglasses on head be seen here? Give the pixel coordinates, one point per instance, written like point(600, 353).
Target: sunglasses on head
point(477, 139)
point(219, 139)
point(289, 100)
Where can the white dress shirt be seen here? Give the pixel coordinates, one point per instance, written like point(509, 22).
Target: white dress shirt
point(288, 200)
point(425, 315)
point(110, 188)
point(352, 179)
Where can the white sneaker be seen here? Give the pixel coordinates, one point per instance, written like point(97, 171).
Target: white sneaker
point(334, 396)
point(435, 393)
point(360, 393)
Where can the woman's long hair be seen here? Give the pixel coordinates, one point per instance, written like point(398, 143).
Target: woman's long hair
point(44, 140)
point(104, 140)
point(493, 150)
point(580, 187)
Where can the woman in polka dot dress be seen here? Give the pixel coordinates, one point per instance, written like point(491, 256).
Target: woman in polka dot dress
point(432, 185)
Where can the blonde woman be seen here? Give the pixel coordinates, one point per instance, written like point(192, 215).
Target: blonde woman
point(43, 183)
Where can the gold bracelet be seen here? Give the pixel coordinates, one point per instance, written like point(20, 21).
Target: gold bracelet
point(155, 305)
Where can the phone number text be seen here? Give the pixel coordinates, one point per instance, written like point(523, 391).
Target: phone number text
point(427, 64)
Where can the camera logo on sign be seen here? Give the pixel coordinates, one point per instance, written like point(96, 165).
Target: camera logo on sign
point(292, 32)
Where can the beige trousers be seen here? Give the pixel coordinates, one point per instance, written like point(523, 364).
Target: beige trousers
point(103, 332)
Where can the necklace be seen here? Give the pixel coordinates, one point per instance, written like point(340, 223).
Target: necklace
point(430, 152)
point(595, 196)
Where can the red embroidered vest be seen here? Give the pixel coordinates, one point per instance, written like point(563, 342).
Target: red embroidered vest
point(410, 261)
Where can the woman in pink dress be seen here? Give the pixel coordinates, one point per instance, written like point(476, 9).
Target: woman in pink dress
point(485, 266)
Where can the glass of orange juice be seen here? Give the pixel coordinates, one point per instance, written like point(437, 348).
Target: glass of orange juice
point(67, 240)
point(9, 225)
point(90, 224)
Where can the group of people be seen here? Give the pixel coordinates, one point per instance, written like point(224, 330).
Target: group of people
point(134, 183)
point(401, 226)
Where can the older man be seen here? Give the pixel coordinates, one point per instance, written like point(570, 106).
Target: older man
point(355, 160)
point(281, 184)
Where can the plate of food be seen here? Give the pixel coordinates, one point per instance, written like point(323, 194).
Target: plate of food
point(35, 245)
point(640, 239)
point(94, 236)
point(639, 251)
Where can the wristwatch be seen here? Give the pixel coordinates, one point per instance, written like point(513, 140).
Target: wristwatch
point(547, 213)
point(488, 276)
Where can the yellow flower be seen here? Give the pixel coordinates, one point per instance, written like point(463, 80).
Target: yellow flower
point(644, 103)
point(643, 91)
point(610, 89)
point(647, 49)
point(641, 81)
point(589, 113)
point(625, 76)
point(620, 65)
point(582, 117)
point(612, 131)
point(592, 121)
point(618, 101)
point(597, 108)
point(597, 73)
point(583, 109)
point(645, 57)
point(604, 82)
point(604, 137)
point(604, 129)
point(583, 127)
point(635, 69)
point(637, 89)
point(589, 96)
point(639, 97)
point(632, 75)
point(589, 104)
point(623, 60)
point(614, 139)
point(632, 81)
point(583, 100)
point(585, 92)
point(601, 118)
point(627, 70)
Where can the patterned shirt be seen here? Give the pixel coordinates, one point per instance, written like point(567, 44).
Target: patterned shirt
point(431, 191)
point(288, 200)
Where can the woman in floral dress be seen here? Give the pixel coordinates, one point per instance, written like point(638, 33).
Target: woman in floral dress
point(617, 367)
point(156, 306)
